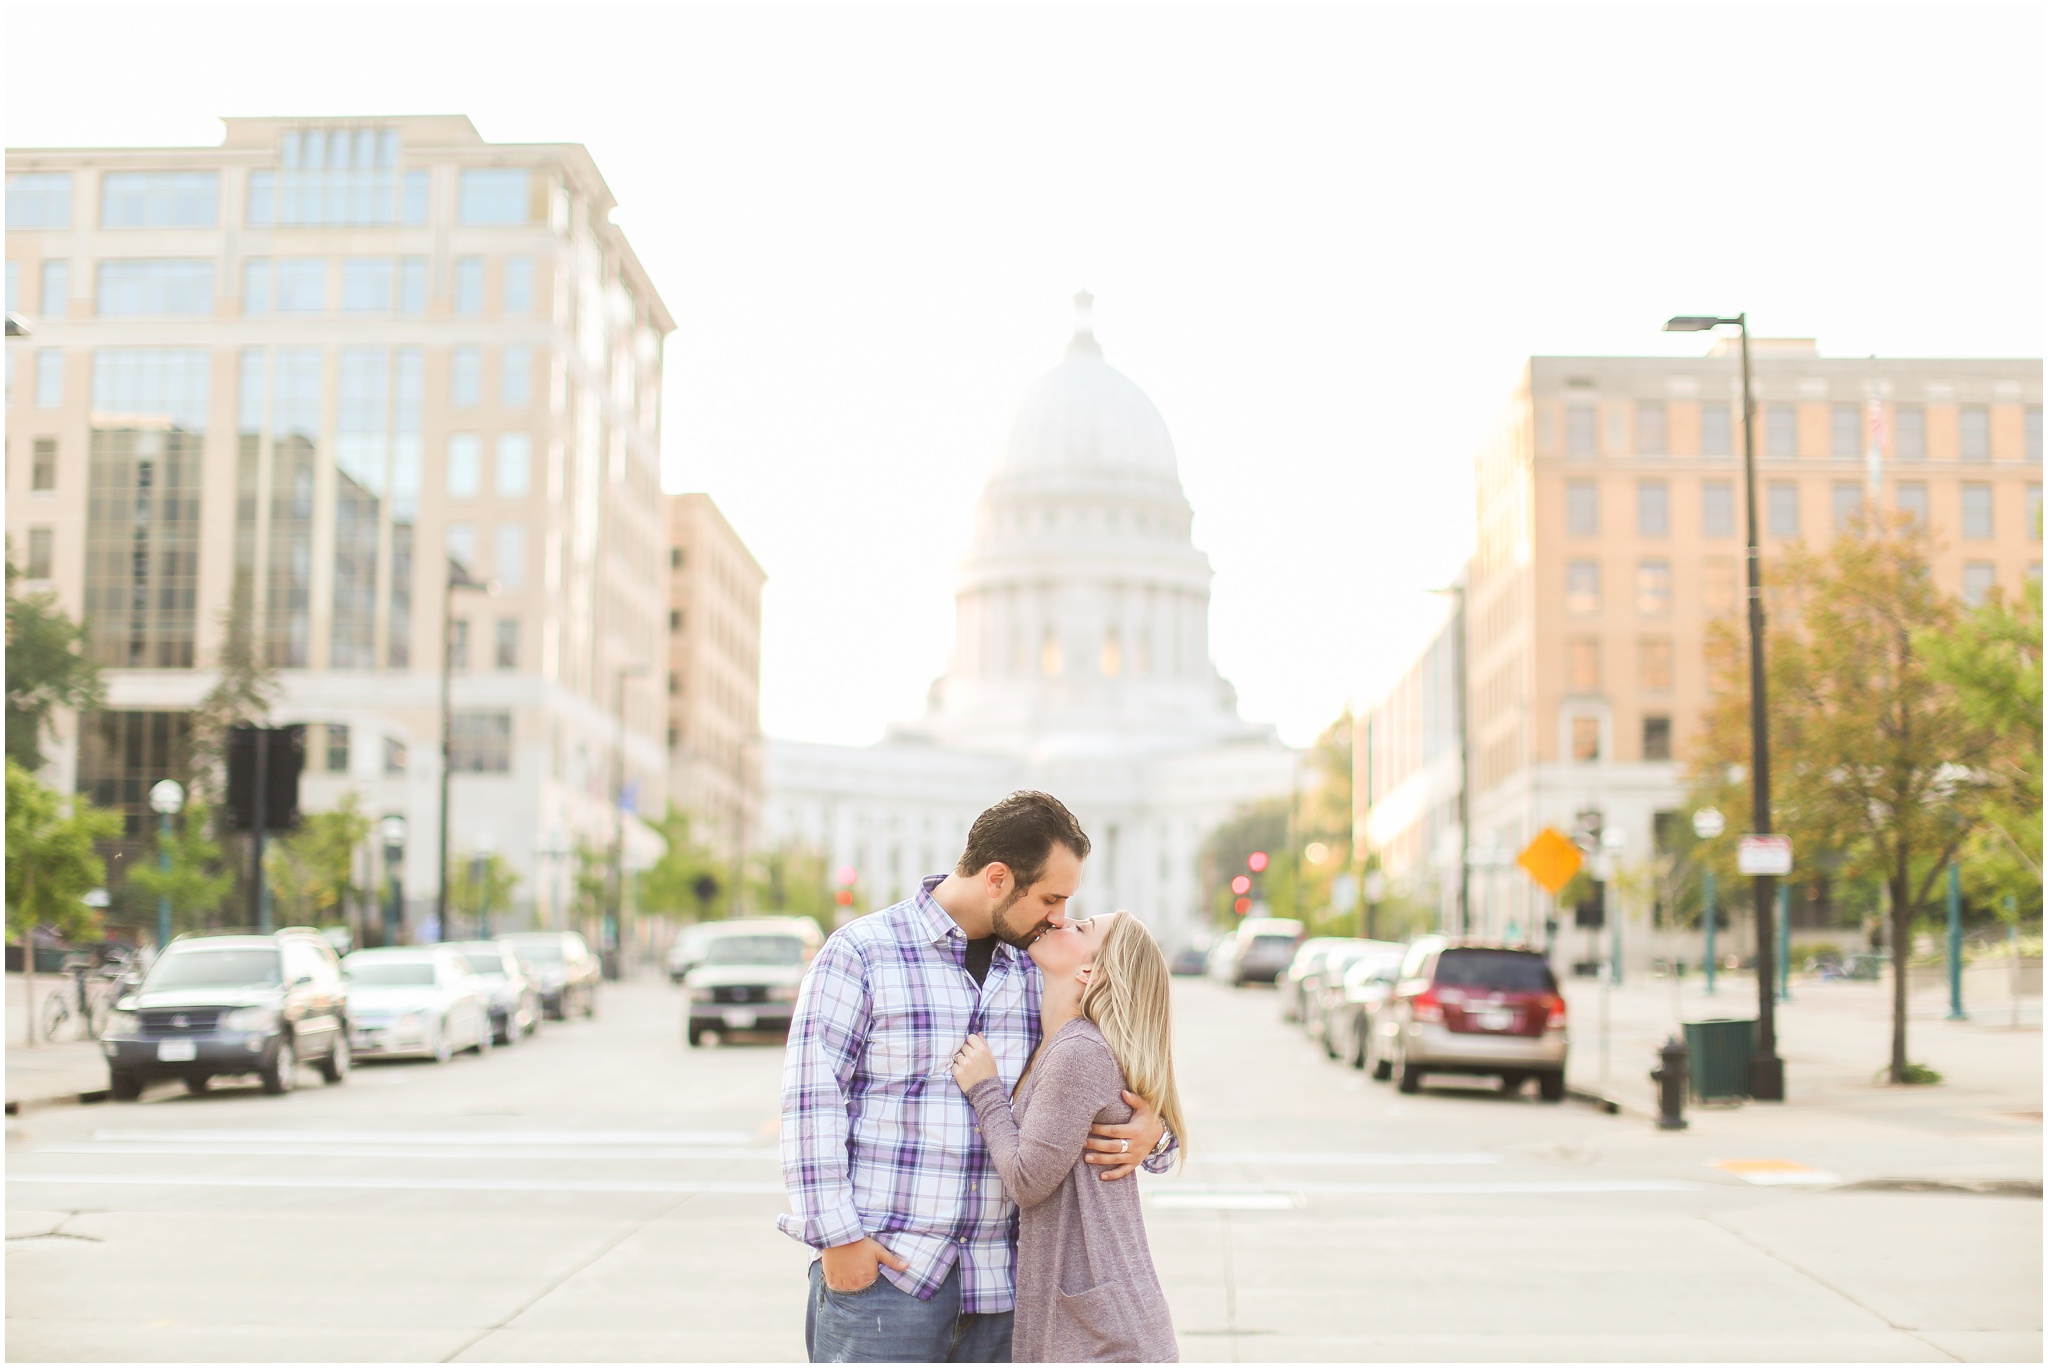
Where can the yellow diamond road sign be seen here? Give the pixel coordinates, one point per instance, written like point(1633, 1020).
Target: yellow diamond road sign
point(1551, 859)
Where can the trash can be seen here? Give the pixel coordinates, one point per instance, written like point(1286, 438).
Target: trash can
point(1721, 1051)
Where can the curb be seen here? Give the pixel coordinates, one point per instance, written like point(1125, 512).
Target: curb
point(1594, 1100)
point(78, 1099)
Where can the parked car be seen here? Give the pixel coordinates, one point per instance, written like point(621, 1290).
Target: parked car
point(1190, 961)
point(687, 952)
point(1264, 947)
point(417, 1000)
point(564, 968)
point(514, 996)
point(1464, 1008)
point(214, 1006)
point(1306, 957)
point(1221, 956)
point(1354, 999)
point(748, 980)
point(1325, 994)
point(694, 940)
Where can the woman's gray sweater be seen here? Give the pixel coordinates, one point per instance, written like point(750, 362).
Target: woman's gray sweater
point(1086, 1292)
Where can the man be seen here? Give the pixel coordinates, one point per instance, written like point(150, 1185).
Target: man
point(887, 1174)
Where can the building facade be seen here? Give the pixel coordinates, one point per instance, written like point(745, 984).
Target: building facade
point(714, 677)
point(291, 379)
point(1407, 780)
point(1080, 666)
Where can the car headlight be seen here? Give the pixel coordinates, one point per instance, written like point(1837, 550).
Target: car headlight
point(702, 994)
point(122, 1023)
point(412, 1019)
point(250, 1019)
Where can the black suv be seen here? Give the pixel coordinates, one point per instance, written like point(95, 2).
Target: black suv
point(221, 1004)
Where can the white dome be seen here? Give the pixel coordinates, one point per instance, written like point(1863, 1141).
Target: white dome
point(1084, 417)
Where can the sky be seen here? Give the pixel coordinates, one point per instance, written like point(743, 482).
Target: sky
point(1322, 240)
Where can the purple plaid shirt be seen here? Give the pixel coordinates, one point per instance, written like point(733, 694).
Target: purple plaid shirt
point(877, 1138)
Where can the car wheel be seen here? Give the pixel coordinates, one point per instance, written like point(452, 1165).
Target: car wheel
point(1356, 1045)
point(444, 1048)
point(510, 1035)
point(485, 1036)
point(1551, 1083)
point(1382, 1067)
point(198, 1083)
point(1407, 1077)
point(696, 1037)
point(124, 1085)
point(590, 1005)
point(1511, 1082)
point(281, 1074)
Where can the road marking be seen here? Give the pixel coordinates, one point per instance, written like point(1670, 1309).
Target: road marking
point(1775, 1172)
point(392, 1150)
point(1226, 1201)
point(444, 1184)
point(1367, 1160)
point(433, 1137)
point(1492, 1189)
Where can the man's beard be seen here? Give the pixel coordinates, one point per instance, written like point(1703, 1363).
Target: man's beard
point(1007, 932)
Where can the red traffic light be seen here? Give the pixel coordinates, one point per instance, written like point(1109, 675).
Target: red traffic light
point(1240, 885)
point(1244, 905)
point(1257, 863)
point(844, 897)
point(845, 876)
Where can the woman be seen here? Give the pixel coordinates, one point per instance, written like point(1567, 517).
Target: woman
point(1086, 1291)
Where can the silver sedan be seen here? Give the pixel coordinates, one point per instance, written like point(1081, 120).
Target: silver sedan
point(421, 1001)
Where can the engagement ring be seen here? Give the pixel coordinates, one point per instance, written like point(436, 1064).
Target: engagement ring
point(1126, 1147)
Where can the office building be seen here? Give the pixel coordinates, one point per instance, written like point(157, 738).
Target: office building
point(714, 677)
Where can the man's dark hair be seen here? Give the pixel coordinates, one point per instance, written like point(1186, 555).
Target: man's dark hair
point(1020, 832)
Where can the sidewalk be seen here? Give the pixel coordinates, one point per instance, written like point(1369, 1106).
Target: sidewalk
point(51, 1072)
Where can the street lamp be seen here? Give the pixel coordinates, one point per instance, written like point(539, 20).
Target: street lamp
point(166, 800)
point(1707, 824)
point(459, 577)
point(1766, 1070)
point(615, 890)
point(392, 829)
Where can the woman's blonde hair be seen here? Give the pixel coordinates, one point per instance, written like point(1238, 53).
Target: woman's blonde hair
point(1129, 997)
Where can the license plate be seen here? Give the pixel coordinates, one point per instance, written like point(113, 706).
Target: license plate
point(177, 1051)
point(1496, 1021)
point(741, 1020)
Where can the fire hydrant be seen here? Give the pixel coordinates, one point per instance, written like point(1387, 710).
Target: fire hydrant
point(1671, 1081)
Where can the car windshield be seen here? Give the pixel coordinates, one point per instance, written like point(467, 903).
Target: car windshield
point(484, 961)
point(1503, 971)
point(547, 951)
point(1273, 944)
point(755, 950)
point(391, 973)
point(218, 969)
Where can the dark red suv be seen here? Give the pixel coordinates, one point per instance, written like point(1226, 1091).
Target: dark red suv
point(1463, 1008)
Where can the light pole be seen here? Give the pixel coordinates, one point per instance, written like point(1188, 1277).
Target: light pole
point(1766, 1069)
point(392, 829)
point(458, 578)
point(615, 883)
point(1708, 823)
point(166, 800)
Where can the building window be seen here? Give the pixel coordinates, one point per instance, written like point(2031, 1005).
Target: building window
point(1848, 506)
point(299, 284)
point(42, 553)
point(169, 286)
point(469, 286)
point(1582, 588)
point(1582, 665)
point(1782, 516)
point(49, 378)
point(1581, 430)
point(1717, 580)
point(466, 377)
point(42, 471)
point(1582, 508)
point(414, 190)
point(328, 177)
point(495, 196)
point(13, 302)
point(1909, 437)
point(39, 199)
point(412, 286)
point(337, 748)
point(1653, 588)
point(518, 286)
point(56, 293)
point(1973, 433)
point(1653, 508)
point(1979, 579)
point(394, 755)
point(1656, 738)
point(1715, 429)
point(515, 377)
point(2033, 509)
point(1911, 496)
point(461, 542)
point(366, 284)
point(480, 743)
point(2033, 425)
point(1653, 656)
point(159, 199)
point(507, 654)
point(1845, 430)
point(675, 558)
point(675, 619)
point(465, 465)
point(515, 461)
point(458, 644)
point(1717, 509)
point(1050, 661)
point(508, 560)
point(1977, 512)
point(1781, 430)
point(1652, 436)
point(122, 754)
point(675, 683)
point(1585, 740)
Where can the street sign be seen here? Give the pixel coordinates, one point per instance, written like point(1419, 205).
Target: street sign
point(1551, 860)
point(1764, 855)
point(1708, 823)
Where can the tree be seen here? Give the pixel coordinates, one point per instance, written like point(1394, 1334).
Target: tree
point(674, 886)
point(47, 669)
point(51, 866)
point(478, 884)
point(1259, 826)
point(794, 881)
point(1875, 757)
point(312, 870)
point(243, 690)
point(187, 871)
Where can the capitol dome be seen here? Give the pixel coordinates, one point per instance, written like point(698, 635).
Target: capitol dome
point(1084, 418)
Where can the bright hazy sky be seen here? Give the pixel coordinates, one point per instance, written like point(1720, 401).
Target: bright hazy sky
point(1322, 240)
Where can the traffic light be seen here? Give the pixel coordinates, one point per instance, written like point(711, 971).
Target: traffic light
point(1591, 912)
point(1257, 863)
point(1240, 885)
point(282, 753)
point(844, 897)
point(1242, 906)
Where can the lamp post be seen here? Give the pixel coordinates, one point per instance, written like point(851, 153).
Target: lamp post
point(392, 829)
point(166, 800)
point(615, 883)
point(459, 577)
point(1708, 823)
point(1766, 1069)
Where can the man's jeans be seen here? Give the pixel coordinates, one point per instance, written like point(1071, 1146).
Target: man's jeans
point(886, 1325)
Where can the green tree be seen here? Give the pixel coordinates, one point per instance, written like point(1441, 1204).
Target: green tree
point(793, 881)
point(312, 870)
point(676, 885)
point(477, 883)
point(51, 866)
point(1225, 852)
point(187, 870)
point(47, 669)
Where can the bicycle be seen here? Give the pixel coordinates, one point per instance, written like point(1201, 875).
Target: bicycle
point(94, 989)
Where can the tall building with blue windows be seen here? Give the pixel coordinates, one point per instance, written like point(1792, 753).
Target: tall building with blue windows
point(290, 379)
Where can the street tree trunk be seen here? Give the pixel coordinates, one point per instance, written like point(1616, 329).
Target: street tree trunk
point(1902, 944)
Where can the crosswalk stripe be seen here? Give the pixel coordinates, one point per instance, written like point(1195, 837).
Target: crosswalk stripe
point(1417, 1160)
point(434, 1137)
point(451, 1183)
point(1531, 1188)
point(394, 1150)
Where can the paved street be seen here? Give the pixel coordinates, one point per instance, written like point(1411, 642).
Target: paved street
point(603, 1193)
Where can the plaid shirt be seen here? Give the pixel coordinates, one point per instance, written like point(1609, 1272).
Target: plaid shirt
point(877, 1138)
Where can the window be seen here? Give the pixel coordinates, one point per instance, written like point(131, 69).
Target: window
point(518, 286)
point(1909, 440)
point(41, 552)
point(480, 743)
point(675, 683)
point(1653, 588)
point(42, 472)
point(256, 285)
point(466, 377)
point(507, 655)
point(299, 284)
point(1582, 508)
point(495, 195)
point(1656, 738)
point(39, 199)
point(337, 748)
point(1781, 430)
point(515, 377)
point(1652, 437)
point(1653, 508)
point(508, 562)
point(2033, 425)
point(414, 192)
point(675, 558)
point(1973, 433)
point(1653, 659)
point(461, 542)
point(1912, 501)
point(1582, 588)
point(1582, 665)
point(1717, 578)
point(328, 177)
point(458, 644)
point(1585, 740)
point(49, 378)
point(170, 286)
point(2033, 509)
point(465, 465)
point(1848, 506)
point(159, 199)
point(675, 619)
point(1715, 430)
point(366, 284)
point(56, 293)
point(1717, 509)
point(394, 755)
point(1581, 430)
point(515, 461)
point(1979, 579)
point(469, 286)
point(1977, 512)
point(412, 286)
point(13, 297)
point(1845, 430)
point(1782, 516)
